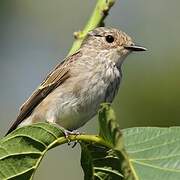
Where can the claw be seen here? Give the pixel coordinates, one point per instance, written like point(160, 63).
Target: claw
point(75, 142)
point(67, 133)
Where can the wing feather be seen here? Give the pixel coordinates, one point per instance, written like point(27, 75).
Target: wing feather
point(54, 79)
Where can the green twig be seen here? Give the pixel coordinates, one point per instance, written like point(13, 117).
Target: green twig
point(96, 19)
point(82, 137)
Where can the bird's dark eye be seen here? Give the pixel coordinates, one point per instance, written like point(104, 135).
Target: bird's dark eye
point(109, 38)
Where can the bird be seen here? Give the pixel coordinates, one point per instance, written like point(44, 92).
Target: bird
point(72, 92)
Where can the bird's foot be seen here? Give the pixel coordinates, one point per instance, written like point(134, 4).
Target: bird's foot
point(74, 132)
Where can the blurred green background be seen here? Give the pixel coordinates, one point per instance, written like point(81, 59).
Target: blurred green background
point(36, 34)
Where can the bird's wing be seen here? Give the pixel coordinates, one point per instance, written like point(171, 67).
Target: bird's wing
point(54, 79)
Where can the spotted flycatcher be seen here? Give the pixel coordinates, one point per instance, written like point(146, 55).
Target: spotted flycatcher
point(72, 92)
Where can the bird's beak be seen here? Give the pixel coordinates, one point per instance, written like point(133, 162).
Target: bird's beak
point(135, 48)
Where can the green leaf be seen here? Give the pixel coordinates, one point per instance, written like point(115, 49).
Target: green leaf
point(109, 128)
point(154, 153)
point(100, 162)
point(22, 150)
point(151, 153)
point(110, 162)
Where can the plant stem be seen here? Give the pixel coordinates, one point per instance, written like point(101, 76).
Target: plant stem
point(81, 137)
point(96, 19)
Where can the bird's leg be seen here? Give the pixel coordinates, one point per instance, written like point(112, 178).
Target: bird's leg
point(74, 132)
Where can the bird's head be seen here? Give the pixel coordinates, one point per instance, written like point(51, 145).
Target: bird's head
point(110, 43)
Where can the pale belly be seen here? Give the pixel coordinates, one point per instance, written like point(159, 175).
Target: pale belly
point(73, 111)
point(67, 110)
